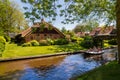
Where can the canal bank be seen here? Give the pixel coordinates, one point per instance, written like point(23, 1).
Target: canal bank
point(48, 55)
point(42, 56)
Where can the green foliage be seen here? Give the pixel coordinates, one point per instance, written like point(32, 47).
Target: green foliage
point(31, 43)
point(2, 39)
point(77, 39)
point(80, 28)
point(11, 19)
point(7, 38)
point(74, 39)
point(18, 39)
point(63, 30)
point(87, 42)
point(113, 42)
point(34, 43)
point(69, 32)
point(72, 10)
point(26, 44)
point(50, 41)
point(80, 39)
point(106, 45)
point(40, 9)
point(2, 44)
point(87, 26)
point(61, 42)
point(90, 9)
point(44, 43)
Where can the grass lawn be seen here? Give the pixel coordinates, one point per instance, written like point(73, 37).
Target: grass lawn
point(13, 51)
point(110, 71)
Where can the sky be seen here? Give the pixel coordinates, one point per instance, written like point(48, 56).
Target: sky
point(56, 23)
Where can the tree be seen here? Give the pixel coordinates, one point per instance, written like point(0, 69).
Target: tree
point(72, 10)
point(63, 30)
point(118, 26)
point(10, 18)
point(40, 9)
point(87, 26)
point(79, 28)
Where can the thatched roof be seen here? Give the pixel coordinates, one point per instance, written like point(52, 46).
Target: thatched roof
point(102, 31)
point(40, 25)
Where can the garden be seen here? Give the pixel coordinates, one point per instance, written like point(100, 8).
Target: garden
point(10, 49)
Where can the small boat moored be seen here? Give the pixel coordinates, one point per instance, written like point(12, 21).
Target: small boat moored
point(94, 52)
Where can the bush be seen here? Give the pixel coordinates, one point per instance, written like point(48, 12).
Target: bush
point(44, 43)
point(61, 42)
point(73, 39)
point(113, 42)
point(2, 44)
point(87, 42)
point(26, 44)
point(80, 39)
point(7, 38)
point(50, 42)
point(77, 40)
point(106, 45)
point(34, 43)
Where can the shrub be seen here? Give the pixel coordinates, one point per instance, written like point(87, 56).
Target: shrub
point(61, 42)
point(2, 44)
point(77, 40)
point(113, 42)
point(34, 43)
point(106, 45)
point(44, 43)
point(26, 44)
point(50, 42)
point(87, 42)
point(80, 39)
point(7, 38)
point(73, 39)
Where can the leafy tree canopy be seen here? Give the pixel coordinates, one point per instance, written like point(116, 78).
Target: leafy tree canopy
point(86, 27)
point(11, 19)
point(71, 10)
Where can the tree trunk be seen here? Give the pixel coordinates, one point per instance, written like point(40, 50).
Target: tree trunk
point(118, 27)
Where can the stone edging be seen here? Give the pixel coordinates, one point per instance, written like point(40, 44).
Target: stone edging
point(41, 56)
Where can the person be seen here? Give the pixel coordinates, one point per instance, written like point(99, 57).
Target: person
point(90, 49)
point(99, 49)
point(95, 49)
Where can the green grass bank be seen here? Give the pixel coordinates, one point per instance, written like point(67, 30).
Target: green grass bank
point(110, 71)
point(14, 51)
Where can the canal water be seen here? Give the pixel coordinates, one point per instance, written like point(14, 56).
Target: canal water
point(61, 67)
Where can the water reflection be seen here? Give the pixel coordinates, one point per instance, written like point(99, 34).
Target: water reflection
point(53, 68)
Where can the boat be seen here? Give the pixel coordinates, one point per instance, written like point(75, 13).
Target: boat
point(94, 52)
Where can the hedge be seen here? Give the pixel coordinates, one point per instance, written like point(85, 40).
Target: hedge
point(2, 44)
